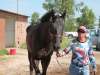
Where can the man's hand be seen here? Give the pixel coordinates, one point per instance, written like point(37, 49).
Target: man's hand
point(65, 50)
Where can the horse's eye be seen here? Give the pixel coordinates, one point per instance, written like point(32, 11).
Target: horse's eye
point(53, 30)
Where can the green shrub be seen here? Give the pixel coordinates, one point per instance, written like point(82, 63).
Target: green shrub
point(3, 52)
point(23, 46)
point(65, 42)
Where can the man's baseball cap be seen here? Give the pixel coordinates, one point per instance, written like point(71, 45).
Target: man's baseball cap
point(82, 29)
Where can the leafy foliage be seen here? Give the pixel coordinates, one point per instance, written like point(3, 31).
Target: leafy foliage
point(3, 52)
point(65, 42)
point(87, 18)
point(99, 21)
point(60, 5)
point(34, 18)
point(70, 24)
point(23, 46)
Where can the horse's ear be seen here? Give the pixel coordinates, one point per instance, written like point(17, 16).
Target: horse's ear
point(63, 14)
point(52, 15)
point(52, 11)
point(52, 19)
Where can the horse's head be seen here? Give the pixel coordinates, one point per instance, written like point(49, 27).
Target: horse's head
point(56, 28)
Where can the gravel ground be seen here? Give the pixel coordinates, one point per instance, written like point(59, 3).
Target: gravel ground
point(19, 65)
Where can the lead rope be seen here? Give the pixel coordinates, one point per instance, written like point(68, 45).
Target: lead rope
point(60, 65)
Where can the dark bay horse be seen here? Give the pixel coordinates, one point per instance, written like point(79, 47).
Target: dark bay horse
point(44, 38)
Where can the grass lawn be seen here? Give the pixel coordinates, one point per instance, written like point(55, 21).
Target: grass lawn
point(4, 55)
point(6, 58)
point(3, 58)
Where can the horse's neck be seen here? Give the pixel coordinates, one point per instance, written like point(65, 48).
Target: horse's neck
point(44, 27)
point(43, 32)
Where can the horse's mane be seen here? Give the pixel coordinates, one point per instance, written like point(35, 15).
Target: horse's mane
point(47, 16)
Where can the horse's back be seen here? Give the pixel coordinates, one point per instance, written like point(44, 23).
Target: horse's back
point(32, 27)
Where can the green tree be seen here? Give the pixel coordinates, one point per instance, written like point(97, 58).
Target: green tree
point(70, 24)
point(49, 4)
point(99, 21)
point(87, 18)
point(34, 17)
point(79, 6)
point(60, 5)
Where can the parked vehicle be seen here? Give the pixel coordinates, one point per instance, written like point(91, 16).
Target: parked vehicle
point(94, 36)
point(98, 41)
point(71, 34)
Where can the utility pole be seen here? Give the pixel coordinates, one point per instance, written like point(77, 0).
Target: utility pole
point(17, 44)
point(17, 6)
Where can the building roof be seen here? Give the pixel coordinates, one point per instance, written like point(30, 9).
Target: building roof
point(10, 12)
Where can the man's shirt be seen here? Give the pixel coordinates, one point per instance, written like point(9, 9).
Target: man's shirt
point(82, 53)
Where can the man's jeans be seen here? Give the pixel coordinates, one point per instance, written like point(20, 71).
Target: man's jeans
point(75, 70)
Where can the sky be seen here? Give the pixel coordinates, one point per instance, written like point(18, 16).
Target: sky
point(27, 7)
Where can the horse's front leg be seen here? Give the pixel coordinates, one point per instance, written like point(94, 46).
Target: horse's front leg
point(45, 62)
point(34, 64)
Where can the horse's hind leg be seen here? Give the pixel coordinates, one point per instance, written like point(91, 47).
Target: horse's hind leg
point(45, 62)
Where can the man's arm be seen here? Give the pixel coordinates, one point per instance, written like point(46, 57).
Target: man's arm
point(92, 59)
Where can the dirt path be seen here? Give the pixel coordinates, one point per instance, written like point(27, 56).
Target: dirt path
point(18, 64)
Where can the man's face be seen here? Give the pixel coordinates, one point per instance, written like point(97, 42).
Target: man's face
point(81, 33)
